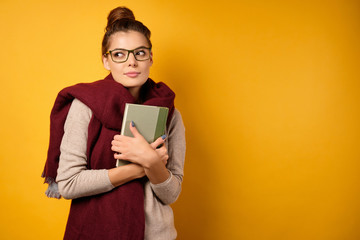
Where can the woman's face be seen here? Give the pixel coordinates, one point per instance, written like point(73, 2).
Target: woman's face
point(132, 74)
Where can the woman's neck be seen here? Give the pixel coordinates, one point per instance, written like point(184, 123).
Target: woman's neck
point(135, 92)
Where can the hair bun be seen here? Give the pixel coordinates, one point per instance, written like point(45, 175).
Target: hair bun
point(118, 14)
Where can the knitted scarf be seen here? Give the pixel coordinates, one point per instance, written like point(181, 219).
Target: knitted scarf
point(118, 214)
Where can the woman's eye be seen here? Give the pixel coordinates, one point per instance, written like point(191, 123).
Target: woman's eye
point(118, 54)
point(140, 53)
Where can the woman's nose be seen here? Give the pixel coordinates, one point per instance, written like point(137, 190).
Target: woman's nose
point(132, 60)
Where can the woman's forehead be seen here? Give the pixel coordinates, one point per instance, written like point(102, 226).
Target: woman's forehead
point(128, 40)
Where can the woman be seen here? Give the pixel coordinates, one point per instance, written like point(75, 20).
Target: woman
point(108, 202)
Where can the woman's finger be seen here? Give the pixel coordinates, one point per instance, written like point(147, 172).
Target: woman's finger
point(158, 142)
point(119, 156)
point(133, 130)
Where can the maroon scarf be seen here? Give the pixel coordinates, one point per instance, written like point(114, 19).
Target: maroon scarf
point(118, 214)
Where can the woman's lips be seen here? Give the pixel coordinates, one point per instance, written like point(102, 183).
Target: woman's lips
point(132, 74)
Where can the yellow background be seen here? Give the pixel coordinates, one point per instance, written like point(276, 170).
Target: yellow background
point(268, 90)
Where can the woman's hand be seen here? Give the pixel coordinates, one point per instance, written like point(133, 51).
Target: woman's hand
point(160, 149)
point(137, 150)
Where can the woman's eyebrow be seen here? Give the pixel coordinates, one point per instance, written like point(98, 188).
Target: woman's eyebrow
point(130, 49)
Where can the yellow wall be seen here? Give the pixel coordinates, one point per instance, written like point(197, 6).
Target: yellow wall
point(269, 92)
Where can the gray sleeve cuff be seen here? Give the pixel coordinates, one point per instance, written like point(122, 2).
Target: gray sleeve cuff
point(167, 191)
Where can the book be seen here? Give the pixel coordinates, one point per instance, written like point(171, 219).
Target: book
point(150, 121)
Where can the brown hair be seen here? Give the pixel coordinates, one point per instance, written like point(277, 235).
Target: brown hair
point(122, 19)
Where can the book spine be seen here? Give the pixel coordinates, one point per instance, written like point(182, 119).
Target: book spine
point(162, 118)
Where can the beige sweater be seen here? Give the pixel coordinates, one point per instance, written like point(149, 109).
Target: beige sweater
point(75, 180)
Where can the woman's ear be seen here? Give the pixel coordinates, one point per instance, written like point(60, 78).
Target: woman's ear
point(106, 62)
point(151, 58)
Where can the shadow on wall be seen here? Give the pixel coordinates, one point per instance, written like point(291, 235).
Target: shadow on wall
point(193, 210)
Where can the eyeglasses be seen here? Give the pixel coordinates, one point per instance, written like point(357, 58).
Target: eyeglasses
point(120, 55)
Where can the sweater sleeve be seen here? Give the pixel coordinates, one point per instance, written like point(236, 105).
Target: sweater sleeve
point(73, 178)
point(169, 191)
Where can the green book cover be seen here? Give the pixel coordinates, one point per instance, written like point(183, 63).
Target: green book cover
point(150, 121)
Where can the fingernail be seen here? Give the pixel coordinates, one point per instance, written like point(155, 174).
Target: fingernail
point(163, 137)
point(132, 123)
